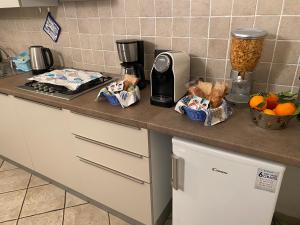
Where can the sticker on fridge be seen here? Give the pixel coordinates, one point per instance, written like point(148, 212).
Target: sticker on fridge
point(266, 180)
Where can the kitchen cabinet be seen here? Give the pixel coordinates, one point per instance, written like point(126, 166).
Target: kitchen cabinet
point(128, 169)
point(12, 142)
point(27, 3)
point(126, 137)
point(47, 138)
point(124, 168)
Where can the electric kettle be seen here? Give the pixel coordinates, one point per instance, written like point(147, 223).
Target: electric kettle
point(41, 59)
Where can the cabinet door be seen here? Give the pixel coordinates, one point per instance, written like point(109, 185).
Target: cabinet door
point(27, 3)
point(9, 3)
point(12, 142)
point(47, 138)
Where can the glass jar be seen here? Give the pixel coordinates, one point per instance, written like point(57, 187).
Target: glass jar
point(246, 48)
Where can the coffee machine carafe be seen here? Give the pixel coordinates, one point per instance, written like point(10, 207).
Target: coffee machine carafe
point(131, 55)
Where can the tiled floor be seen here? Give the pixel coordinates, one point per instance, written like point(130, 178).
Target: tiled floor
point(28, 200)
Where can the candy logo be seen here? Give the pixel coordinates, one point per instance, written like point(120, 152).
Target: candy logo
point(219, 171)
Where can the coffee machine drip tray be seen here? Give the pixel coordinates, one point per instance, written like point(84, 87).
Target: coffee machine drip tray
point(161, 100)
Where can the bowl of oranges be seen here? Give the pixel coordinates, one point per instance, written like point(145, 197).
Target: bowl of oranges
point(273, 111)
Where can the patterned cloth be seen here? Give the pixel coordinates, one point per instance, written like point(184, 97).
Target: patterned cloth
point(69, 78)
point(125, 98)
point(209, 116)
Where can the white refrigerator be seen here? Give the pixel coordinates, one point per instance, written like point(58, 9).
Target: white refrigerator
point(212, 186)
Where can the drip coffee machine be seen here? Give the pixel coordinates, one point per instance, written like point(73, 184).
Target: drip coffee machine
point(131, 55)
point(246, 48)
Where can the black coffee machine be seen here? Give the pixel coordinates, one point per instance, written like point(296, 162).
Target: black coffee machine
point(169, 74)
point(131, 55)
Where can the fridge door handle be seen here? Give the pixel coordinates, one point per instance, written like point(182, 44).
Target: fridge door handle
point(177, 173)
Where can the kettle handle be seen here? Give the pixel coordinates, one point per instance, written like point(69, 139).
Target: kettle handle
point(48, 57)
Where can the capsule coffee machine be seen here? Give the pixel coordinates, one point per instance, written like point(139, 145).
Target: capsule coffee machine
point(169, 74)
point(131, 55)
point(246, 48)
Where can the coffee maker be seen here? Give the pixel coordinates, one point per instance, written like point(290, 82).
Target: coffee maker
point(131, 55)
point(169, 75)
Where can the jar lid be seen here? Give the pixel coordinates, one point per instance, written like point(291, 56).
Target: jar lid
point(249, 33)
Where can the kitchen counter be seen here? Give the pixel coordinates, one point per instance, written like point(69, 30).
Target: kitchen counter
point(238, 134)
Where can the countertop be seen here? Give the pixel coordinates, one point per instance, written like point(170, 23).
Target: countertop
point(238, 134)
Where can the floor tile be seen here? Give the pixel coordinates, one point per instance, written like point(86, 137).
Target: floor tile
point(72, 200)
point(43, 199)
point(11, 180)
point(117, 221)
point(51, 218)
point(10, 205)
point(7, 166)
point(14, 222)
point(85, 214)
point(36, 181)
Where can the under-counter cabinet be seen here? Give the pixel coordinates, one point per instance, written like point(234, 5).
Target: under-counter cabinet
point(47, 138)
point(128, 169)
point(125, 169)
point(12, 141)
point(27, 3)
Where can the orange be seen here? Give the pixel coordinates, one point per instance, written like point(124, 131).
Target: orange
point(269, 112)
point(258, 102)
point(272, 101)
point(285, 109)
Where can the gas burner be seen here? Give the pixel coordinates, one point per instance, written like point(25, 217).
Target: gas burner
point(63, 92)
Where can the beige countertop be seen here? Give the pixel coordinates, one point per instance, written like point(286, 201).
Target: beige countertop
point(238, 134)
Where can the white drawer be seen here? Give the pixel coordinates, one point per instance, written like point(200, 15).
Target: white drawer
point(123, 194)
point(126, 162)
point(118, 135)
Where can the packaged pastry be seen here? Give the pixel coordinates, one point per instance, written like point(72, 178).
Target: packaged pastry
point(196, 91)
point(217, 94)
point(129, 80)
point(205, 87)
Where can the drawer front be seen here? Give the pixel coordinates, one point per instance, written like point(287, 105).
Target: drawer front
point(126, 162)
point(118, 135)
point(123, 194)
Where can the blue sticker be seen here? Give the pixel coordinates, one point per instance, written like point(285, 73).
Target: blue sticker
point(52, 28)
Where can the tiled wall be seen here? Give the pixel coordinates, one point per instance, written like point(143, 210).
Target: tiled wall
point(199, 27)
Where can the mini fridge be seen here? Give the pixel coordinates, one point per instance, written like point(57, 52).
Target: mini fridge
point(212, 186)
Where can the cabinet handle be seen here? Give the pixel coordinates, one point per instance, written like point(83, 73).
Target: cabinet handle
point(177, 172)
point(39, 103)
point(110, 170)
point(106, 120)
point(108, 146)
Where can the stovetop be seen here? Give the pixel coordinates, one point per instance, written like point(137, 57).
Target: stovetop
point(63, 92)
